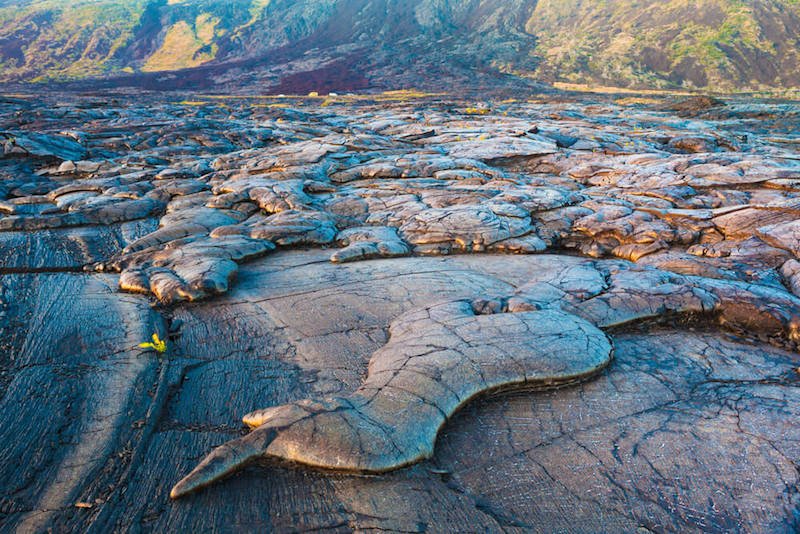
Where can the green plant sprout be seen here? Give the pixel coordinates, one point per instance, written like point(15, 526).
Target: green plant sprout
point(158, 344)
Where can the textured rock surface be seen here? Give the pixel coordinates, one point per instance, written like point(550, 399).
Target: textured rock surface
point(299, 260)
point(437, 359)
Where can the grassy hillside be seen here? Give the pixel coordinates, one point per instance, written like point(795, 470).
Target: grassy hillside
point(76, 38)
point(58, 39)
point(722, 45)
point(716, 44)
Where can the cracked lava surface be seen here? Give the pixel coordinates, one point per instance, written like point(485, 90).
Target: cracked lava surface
point(526, 320)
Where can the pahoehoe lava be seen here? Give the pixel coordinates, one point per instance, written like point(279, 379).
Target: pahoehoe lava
point(390, 259)
point(439, 358)
point(436, 360)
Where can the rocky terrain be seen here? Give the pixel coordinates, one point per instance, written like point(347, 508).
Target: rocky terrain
point(298, 46)
point(541, 315)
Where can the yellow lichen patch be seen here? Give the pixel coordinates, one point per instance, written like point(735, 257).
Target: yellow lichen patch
point(183, 46)
point(476, 111)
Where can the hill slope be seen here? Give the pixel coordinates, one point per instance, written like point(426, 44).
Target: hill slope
point(346, 44)
point(708, 43)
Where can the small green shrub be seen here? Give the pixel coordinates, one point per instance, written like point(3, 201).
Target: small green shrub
point(159, 345)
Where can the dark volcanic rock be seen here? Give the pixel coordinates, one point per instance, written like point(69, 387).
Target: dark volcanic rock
point(693, 144)
point(307, 282)
point(39, 145)
point(693, 105)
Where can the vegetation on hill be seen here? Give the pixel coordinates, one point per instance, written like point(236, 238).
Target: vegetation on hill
point(722, 45)
point(715, 44)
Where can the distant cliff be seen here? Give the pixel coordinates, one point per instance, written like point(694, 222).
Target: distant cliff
point(354, 44)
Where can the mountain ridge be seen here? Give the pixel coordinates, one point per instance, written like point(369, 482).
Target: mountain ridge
point(717, 45)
